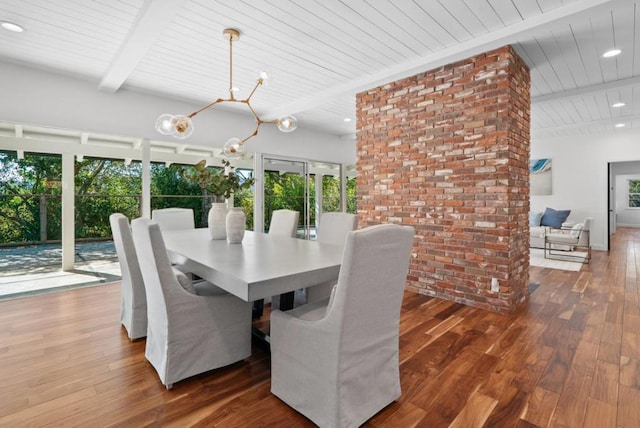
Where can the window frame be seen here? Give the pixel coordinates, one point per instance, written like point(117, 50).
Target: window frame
point(632, 182)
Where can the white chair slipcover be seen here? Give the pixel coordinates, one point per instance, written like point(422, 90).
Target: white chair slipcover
point(284, 222)
point(333, 229)
point(336, 361)
point(187, 334)
point(133, 302)
point(174, 218)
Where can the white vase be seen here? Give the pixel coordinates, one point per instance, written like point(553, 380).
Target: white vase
point(235, 225)
point(217, 220)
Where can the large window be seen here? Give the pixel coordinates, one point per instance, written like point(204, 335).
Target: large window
point(30, 197)
point(633, 199)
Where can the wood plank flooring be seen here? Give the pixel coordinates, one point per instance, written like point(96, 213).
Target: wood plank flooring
point(568, 358)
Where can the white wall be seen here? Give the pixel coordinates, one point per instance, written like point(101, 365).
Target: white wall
point(580, 166)
point(36, 97)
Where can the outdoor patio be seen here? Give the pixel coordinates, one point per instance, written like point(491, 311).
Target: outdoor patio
point(37, 269)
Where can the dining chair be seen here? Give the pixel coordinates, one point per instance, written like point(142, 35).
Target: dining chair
point(192, 328)
point(174, 218)
point(332, 229)
point(284, 222)
point(336, 361)
point(133, 299)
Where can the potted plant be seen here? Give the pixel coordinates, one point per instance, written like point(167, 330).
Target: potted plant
point(217, 184)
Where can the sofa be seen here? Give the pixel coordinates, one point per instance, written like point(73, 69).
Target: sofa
point(541, 222)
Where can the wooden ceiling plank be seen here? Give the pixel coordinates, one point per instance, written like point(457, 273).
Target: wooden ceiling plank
point(578, 110)
point(355, 48)
point(466, 17)
point(588, 50)
point(547, 5)
point(151, 20)
point(485, 14)
point(515, 32)
point(379, 14)
point(557, 61)
point(623, 30)
point(603, 35)
point(569, 52)
point(444, 17)
point(527, 8)
point(592, 107)
point(506, 10)
point(355, 19)
point(272, 37)
point(592, 89)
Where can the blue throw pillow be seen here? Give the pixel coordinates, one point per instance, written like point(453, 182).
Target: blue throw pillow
point(534, 219)
point(554, 218)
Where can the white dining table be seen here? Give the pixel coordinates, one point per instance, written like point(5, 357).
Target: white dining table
point(259, 267)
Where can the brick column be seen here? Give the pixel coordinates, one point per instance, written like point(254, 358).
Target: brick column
point(447, 152)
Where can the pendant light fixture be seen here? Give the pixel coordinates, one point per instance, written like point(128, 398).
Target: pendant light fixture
point(181, 126)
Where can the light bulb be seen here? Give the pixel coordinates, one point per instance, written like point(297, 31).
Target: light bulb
point(10, 26)
point(611, 53)
point(233, 148)
point(287, 124)
point(264, 76)
point(182, 127)
point(164, 125)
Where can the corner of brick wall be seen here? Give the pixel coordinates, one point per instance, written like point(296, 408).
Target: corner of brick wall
point(447, 152)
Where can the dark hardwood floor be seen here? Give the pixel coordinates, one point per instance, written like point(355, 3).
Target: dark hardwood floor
point(570, 357)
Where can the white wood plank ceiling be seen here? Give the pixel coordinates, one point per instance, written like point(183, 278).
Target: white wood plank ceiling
point(321, 53)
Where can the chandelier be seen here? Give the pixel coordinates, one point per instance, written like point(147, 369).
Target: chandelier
point(181, 126)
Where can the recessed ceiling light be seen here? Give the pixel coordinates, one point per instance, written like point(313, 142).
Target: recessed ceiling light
point(612, 52)
point(10, 26)
point(616, 105)
point(619, 125)
point(347, 119)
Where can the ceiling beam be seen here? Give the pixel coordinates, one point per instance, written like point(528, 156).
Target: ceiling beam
point(586, 90)
point(610, 121)
point(153, 18)
point(507, 35)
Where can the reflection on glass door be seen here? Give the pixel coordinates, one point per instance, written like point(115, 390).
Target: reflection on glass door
point(286, 186)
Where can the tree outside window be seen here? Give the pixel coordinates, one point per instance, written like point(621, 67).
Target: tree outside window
point(634, 194)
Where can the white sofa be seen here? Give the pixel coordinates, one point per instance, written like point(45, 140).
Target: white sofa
point(537, 232)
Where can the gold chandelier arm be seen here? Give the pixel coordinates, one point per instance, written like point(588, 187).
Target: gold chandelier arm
point(255, 132)
point(219, 100)
point(258, 83)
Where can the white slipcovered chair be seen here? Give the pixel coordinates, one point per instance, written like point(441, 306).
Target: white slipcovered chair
point(188, 333)
point(336, 361)
point(333, 229)
point(569, 243)
point(174, 218)
point(133, 301)
point(284, 223)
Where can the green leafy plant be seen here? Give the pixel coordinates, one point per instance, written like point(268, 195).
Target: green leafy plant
point(216, 182)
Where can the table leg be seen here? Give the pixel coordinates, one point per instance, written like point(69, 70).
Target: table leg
point(258, 309)
point(286, 301)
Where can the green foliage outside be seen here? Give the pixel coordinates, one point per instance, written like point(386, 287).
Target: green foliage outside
point(30, 194)
point(634, 193)
point(103, 186)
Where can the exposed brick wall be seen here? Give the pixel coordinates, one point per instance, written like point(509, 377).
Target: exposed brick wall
point(447, 152)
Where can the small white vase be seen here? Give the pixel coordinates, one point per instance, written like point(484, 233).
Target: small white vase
point(217, 220)
point(235, 225)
